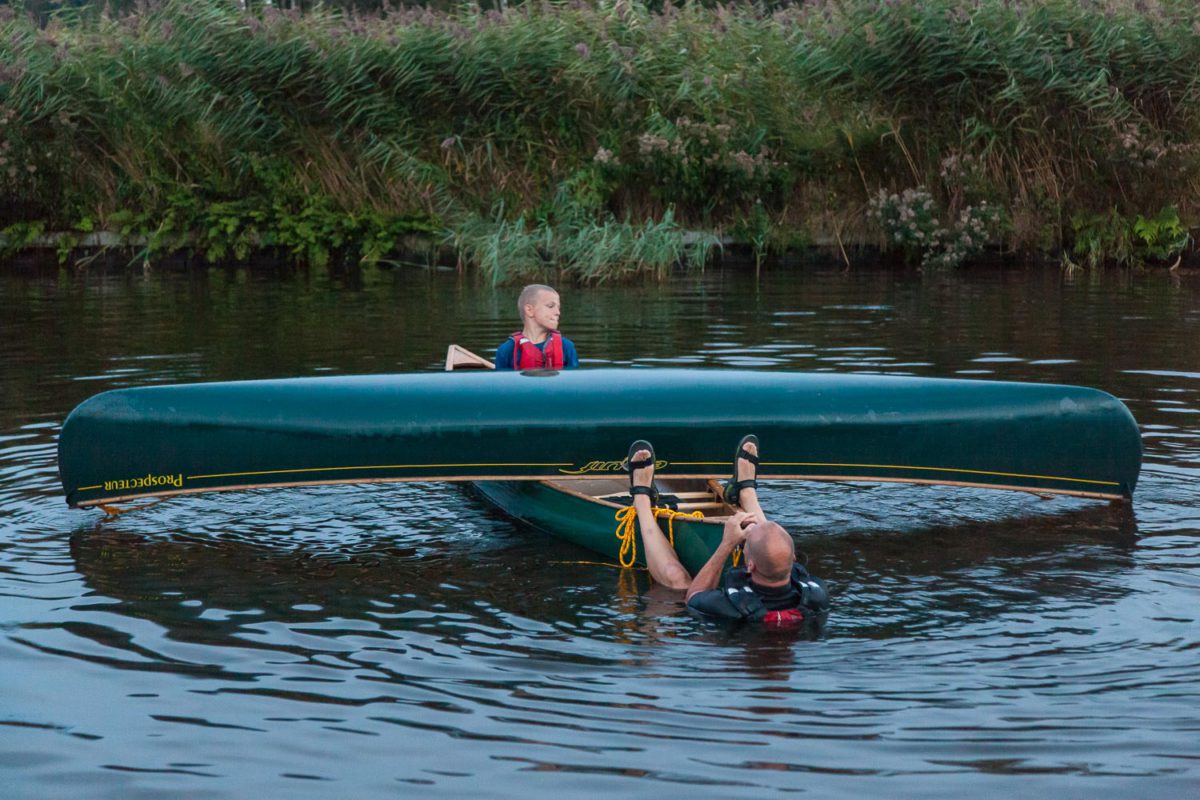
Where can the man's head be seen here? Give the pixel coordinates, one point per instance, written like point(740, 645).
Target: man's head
point(770, 553)
point(540, 304)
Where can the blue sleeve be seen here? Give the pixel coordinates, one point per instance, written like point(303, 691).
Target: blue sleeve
point(570, 357)
point(504, 354)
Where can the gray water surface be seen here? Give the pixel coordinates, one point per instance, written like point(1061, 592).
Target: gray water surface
point(405, 640)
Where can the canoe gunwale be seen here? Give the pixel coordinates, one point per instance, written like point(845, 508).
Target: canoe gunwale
point(1093, 495)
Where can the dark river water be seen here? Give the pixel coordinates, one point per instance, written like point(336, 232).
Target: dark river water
point(405, 640)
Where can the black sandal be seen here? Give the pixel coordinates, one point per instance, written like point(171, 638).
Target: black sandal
point(733, 487)
point(631, 465)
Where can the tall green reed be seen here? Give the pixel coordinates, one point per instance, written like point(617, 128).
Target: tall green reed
point(203, 126)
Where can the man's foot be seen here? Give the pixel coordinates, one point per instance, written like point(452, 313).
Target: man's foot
point(745, 469)
point(641, 469)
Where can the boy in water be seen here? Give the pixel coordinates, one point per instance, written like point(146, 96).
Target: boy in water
point(538, 345)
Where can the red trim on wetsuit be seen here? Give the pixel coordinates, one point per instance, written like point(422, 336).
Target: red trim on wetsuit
point(783, 619)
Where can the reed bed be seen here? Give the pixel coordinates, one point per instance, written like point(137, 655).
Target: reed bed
point(587, 139)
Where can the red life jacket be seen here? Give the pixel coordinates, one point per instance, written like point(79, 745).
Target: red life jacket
point(527, 355)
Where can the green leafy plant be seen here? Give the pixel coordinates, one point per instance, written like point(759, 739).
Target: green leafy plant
point(1162, 236)
point(756, 229)
point(19, 235)
point(1109, 236)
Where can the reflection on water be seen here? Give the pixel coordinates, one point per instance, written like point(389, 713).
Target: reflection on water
point(370, 641)
point(221, 577)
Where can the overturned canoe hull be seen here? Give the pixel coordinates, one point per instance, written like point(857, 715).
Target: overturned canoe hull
point(482, 425)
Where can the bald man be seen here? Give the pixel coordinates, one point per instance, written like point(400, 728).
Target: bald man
point(772, 587)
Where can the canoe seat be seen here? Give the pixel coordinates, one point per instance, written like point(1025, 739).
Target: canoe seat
point(672, 500)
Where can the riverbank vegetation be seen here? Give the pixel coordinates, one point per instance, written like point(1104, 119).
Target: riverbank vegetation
point(592, 138)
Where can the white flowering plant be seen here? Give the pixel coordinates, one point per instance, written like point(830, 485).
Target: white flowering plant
point(912, 220)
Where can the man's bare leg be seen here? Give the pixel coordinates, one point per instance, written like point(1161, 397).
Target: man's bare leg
point(748, 496)
point(664, 565)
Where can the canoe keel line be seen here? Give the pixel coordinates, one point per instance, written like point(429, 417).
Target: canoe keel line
point(481, 425)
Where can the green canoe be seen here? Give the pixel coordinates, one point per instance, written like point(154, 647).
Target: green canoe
point(588, 513)
point(483, 425)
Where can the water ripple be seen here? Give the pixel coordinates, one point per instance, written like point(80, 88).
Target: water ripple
point(331, 642)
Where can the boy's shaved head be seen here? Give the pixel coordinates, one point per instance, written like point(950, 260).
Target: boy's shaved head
point(771, 550)
point(529, 295)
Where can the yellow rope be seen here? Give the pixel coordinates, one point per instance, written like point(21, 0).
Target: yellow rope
point(627, 529)
point(626, 526)
point(595, 564)
point(671, 514)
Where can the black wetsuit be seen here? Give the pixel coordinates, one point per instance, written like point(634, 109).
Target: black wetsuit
point(740, 598)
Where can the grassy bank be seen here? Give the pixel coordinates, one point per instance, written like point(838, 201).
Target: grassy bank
point(588, 139)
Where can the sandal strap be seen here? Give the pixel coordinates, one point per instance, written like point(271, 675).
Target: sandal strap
point(753, 459)
point(734, 488)
point(646, 463)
